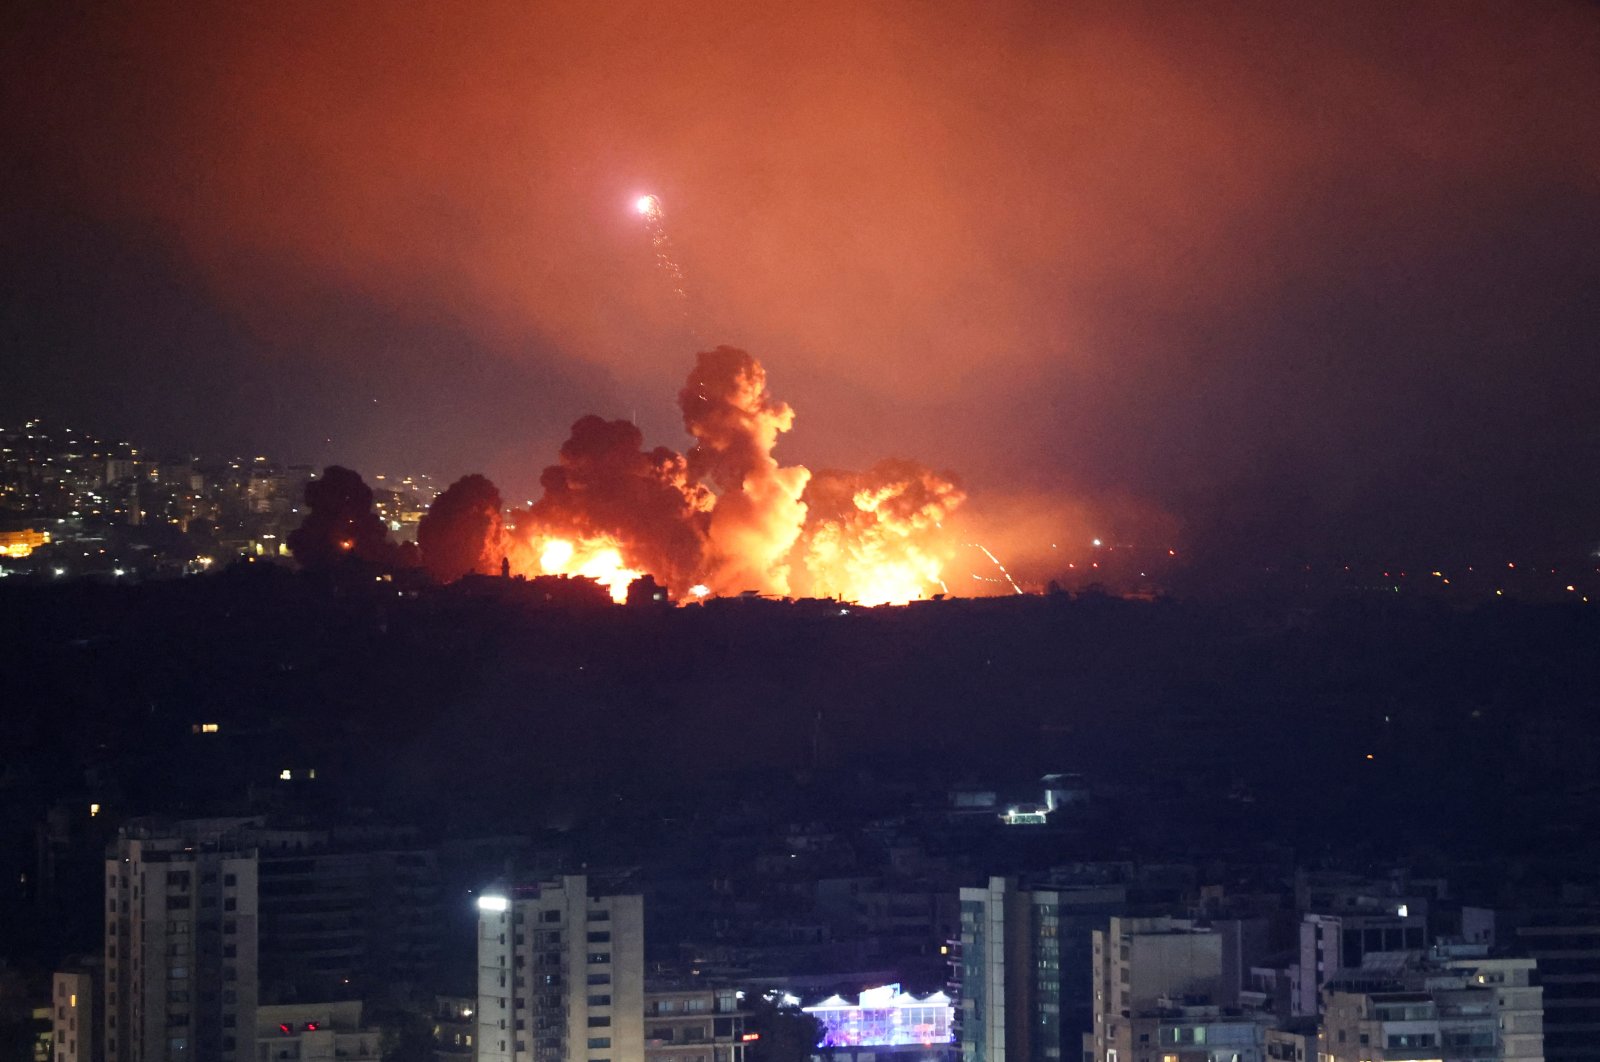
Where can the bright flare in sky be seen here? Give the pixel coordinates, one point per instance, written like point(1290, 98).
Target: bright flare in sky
point(648, 207)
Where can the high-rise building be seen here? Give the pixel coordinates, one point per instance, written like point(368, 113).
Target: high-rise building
point(1008, 975)
point(340, 919)
point(1566, 943)
point(180, 944)
point(560, 975)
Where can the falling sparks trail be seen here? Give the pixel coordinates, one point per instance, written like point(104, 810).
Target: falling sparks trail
point(649, 208)
point(997, 564)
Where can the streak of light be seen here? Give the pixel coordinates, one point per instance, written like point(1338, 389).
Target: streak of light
point(979, 546)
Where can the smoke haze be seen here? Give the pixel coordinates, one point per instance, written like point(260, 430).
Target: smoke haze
point(1208, 256)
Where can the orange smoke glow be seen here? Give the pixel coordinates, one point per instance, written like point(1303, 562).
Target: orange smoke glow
point(728, 518)
point(878, 537)
point(872, 577)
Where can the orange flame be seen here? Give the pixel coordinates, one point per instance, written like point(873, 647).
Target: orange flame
point(728, 517)
point(599, 559)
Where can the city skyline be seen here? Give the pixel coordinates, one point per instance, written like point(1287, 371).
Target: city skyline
point(698, 531)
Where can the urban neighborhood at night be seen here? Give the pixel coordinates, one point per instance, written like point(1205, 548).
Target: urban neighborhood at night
point(852, 532)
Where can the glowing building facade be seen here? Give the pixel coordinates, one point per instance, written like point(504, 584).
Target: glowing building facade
point(885, 1017)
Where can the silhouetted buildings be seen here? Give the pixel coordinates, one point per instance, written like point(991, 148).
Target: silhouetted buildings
point(345, 921)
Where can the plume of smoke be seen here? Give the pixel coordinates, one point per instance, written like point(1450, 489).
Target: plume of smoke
point(340, 523)
point(758, 513)
point(877, 535)
point(608, 486)
point(727, 514)
point(463, 531)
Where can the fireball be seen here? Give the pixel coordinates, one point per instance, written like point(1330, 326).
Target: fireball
point(599, 559)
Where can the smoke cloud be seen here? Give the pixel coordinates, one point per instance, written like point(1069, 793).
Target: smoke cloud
point(728, 517)
point(340, 523)
point(1162, 248)
point(607, 487)
point(758, 514)
point(463, 531)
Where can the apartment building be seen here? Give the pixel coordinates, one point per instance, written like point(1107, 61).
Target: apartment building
point(560, 975)
point(684, 1024)
point(1458, 1010)
point(181, 941)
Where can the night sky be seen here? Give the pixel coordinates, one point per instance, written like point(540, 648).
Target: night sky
point(1292, 275)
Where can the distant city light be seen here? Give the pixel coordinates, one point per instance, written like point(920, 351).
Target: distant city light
point(496, 904)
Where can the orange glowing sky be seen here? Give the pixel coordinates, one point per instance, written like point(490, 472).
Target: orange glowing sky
point(1171, 253)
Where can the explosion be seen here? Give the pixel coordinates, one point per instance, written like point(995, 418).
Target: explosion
point(876, 537)
point(599, 559)
point(724, 519)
